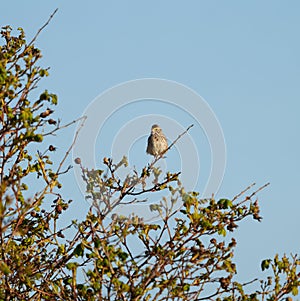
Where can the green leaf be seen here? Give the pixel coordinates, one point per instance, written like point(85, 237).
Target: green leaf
point(54, 99)
point(71, 265)
point(43, 72)
point(44, 95)
point(4, 268)
point(225, 203)
point(222, 232)
point(265, 264)
point(38, 138)
point(186, 287)
point(79, 250)
point(123, 256)
point(295, 290)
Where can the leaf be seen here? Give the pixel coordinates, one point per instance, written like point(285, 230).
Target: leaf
point(225, 203)
point(43, 72)
point(44, 95)
point(4, 268)
point(265, 264)
point(123, 256)
point(222, 232)
point(295, 290)
point(54, 99)
point(71, 265)
point(79, 250)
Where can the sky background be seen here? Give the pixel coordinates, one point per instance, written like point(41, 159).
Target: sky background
point(242, 57)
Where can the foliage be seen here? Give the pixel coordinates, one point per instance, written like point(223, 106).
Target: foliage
point(185, 256)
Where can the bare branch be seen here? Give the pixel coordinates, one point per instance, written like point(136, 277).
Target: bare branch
point(243, 191)
point(73, 143)
point(64, 126)
point(40, 30)
point(253, 193)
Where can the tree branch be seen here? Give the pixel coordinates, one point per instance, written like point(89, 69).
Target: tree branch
point(40, 30)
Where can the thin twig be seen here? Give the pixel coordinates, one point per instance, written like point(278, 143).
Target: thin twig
point(243, 191)
point(63, 126)
point(253, 194)
point(259, 189)
point(179, 136)
point(72, 145)
point(39, 31)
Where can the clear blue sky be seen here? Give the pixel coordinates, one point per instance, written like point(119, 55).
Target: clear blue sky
point(241, 56)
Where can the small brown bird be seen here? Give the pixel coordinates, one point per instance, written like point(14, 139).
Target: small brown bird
point(157, 141)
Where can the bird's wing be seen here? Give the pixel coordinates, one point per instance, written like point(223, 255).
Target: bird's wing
point(149, 145)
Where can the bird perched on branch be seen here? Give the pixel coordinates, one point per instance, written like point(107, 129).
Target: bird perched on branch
point(157, 141)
